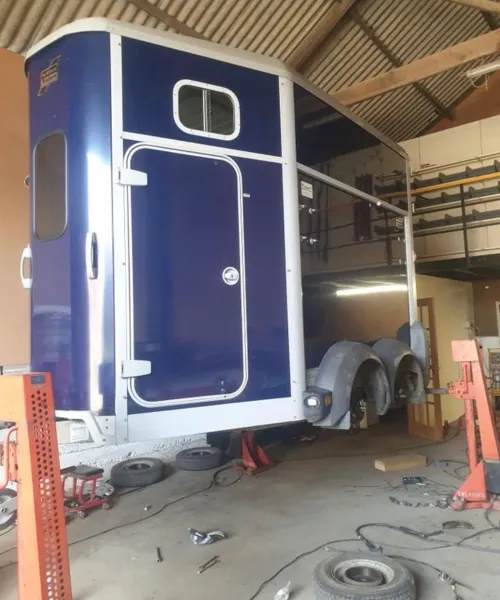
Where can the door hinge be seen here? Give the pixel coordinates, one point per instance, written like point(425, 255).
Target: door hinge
point(132, 177)
point(135, 368)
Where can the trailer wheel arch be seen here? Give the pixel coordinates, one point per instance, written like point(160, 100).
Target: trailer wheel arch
point(403, 369)
point(417, 338)
point(344, 370)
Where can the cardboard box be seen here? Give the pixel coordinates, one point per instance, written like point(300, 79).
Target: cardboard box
point(401, 462)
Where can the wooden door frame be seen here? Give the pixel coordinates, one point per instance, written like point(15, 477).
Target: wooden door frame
point(435, 431)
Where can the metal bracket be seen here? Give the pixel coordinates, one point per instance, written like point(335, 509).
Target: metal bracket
point(135, 368)
point(96, 433)
point(132, 177)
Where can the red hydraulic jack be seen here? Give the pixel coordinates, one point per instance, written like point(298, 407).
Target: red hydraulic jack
point(254, 459)
point(482, 486)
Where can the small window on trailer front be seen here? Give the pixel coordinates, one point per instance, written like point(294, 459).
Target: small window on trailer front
point(206, 110)
point(49, 191)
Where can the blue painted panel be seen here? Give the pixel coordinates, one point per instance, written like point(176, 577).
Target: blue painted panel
point(185, 232)
point(269, 367)
point(65, 342)
point(266, 281)
point(77, 103)
point(150, 73)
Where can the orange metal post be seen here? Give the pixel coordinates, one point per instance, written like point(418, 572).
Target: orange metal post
point(43, 564)
point(473, 390)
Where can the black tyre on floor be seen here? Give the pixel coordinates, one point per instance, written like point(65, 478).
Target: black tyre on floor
point(363, 577)
point(137, 472)
point(199, 459)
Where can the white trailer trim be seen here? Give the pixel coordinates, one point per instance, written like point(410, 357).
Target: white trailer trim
point(198, 147)
point(119, 240)
point(292, 244)
point(223, 417)
point(235, 56)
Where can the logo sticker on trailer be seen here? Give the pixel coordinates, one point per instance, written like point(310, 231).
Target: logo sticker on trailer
point(306, 189)
point(49, 75)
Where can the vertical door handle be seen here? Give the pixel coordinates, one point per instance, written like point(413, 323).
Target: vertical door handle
point(27, 254)
point(91, 255)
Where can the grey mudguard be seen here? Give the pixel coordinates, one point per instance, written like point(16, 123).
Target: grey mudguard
point(403, 369)
point(417, 338)
point(346, 367)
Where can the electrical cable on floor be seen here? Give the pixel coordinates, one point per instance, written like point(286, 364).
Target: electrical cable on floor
point(487, 513)
point(429, 537)
point(488, 518)
point(442, 575)
point(361, 454)
point(442, 490)
point(452, 460)
point(8, 531)
point(293, 561)
point(360, 537)
point(453, 475)
point(425, 537)
point(459, 469)
point(214, 482)
point(440, 484)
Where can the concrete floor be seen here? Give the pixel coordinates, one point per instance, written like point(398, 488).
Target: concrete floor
point(304, 502)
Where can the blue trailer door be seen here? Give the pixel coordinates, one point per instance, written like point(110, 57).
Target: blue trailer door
point(186, 278)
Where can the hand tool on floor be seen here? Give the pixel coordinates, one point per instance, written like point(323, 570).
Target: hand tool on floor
point(210, 563)
point(202, 539)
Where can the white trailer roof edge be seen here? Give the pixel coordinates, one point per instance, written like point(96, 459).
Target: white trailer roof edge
point(235, 56)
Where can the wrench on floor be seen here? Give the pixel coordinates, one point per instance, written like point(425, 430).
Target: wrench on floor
point(210, 563)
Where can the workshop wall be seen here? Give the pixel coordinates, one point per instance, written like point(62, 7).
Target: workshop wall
point(365, 318)
point(486, 295)
point(473, 145)
point(454, 311)
point(483, 103)
point(14, 209)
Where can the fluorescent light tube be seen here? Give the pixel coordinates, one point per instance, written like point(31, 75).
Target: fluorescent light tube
point(373, 289)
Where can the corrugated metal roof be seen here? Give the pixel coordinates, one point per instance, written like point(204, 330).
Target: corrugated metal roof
point(409, 29)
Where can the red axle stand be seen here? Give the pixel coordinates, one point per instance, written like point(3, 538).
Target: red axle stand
point(254, 459)
point(472, 389)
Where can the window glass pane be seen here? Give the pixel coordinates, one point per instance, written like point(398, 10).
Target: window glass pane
point(341, 233)
point(50, 187)
point(206, 110)
point(221, 113)
point(332, 143)
point(191, 107)
point(353, 269)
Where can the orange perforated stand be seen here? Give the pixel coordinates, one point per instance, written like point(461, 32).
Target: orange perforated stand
point(32, 460)
point(472, 389)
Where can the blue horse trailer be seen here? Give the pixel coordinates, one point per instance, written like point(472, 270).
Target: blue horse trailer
point(170, 178)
